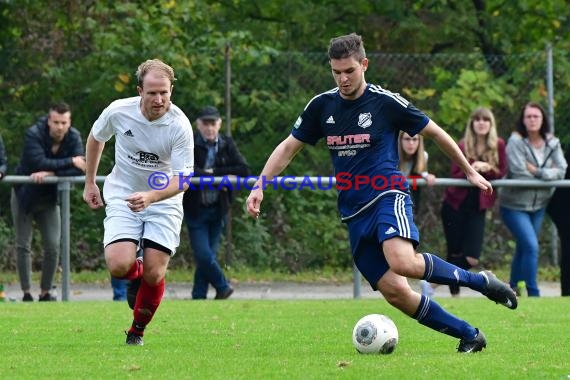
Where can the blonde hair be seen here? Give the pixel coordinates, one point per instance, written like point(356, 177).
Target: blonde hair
point(154, 64)
point(418, 158)
point(491, 152)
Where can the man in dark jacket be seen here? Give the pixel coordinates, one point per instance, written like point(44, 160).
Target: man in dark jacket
point(205, 208)
point(51, 148)
point(557, 209)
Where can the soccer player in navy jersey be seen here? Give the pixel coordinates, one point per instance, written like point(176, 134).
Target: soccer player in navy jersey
point(360, 123)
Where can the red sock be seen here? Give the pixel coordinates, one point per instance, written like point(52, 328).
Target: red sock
point(148, 300)
point(135, 271)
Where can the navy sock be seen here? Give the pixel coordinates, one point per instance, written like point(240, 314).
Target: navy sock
point(440, 271)
point(432, 315)
point(460, 261)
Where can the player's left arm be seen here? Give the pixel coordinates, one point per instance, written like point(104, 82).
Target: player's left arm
point(450, 148)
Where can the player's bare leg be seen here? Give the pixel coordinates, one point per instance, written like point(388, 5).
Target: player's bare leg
point(120, 257)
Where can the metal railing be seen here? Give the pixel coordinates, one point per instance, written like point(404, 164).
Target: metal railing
point(64, 188)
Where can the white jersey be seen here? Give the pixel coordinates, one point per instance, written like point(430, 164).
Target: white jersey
point(144, 149)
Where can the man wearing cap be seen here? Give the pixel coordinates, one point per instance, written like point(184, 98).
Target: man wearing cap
point(206, 206)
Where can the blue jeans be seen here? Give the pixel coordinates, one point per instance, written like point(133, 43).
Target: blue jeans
point(525, 227)
point(205, 232)
point(119, 288)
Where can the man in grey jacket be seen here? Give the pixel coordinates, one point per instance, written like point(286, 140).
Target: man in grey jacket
point(532, 153)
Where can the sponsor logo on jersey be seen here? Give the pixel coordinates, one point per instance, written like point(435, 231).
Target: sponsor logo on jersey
point(146, 156)
point(129, 133)
point(145, 159)
point(361, 138)
point(330, 120)
point(348, 145)
point(347, 153)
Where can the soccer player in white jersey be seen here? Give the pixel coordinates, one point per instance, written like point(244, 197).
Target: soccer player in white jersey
point(361, 123)
point(154, 156)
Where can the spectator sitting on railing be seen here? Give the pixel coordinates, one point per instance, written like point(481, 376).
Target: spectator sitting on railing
point(3, 160)
point(414, 161)
point(463, 209)
point(532, 152)
point(51, 148)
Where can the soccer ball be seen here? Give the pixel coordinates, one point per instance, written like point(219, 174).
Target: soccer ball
point(375, 334)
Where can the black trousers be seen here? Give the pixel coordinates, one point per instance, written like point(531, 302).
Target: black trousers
point(565, 263)
point(562, 222)
point(464, 231)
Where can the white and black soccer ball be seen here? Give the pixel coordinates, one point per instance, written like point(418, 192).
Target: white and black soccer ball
point(375, 334)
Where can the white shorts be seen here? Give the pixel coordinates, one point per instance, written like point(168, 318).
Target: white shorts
point(160, 222)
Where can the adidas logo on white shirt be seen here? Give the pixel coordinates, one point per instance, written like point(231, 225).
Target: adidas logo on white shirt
point(330, 120)
point(129, 133)
point(389, 231)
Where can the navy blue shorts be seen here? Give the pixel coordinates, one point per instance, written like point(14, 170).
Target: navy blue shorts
point(390, 217)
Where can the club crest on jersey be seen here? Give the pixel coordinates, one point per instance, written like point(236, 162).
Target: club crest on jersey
point(365, 120)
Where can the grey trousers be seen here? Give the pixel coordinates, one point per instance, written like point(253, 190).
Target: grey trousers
point(48, 220)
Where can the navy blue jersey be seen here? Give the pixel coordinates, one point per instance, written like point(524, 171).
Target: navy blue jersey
point(362, 137)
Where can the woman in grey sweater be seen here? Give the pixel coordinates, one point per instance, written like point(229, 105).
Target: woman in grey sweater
point(532, 153)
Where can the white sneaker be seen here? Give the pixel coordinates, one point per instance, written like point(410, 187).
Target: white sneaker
point(427, 290)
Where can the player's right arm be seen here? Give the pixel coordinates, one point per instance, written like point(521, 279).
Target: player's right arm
point(450, 148)
point(91, 193)
point(276, 163)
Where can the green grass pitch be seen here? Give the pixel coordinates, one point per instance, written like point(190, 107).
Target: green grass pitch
point(263, 339)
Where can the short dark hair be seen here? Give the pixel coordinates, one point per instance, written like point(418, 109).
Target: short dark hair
point(544, 128)
point(350, 45)
point(60, 107)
